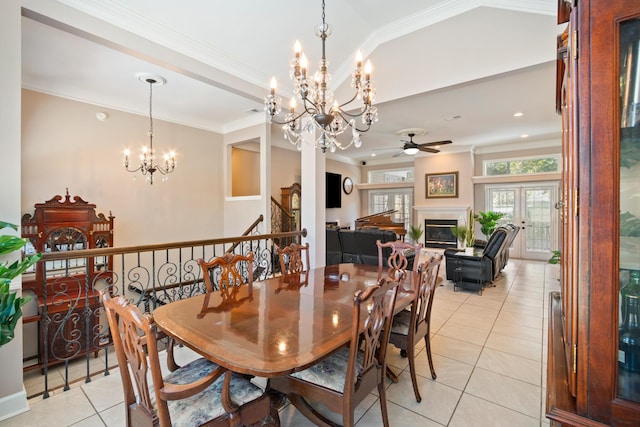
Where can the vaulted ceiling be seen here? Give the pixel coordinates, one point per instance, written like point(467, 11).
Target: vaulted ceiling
point(458, 68)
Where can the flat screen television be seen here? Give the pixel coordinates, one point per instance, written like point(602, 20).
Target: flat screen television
point(333, 190)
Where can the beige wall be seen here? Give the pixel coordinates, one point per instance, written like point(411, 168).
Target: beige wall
point(65, 146)
point(285, 169)
point(245, 172)
point(350, 210)
point(442, 163)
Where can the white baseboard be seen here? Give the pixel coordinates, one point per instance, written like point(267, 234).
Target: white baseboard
point(14, 404)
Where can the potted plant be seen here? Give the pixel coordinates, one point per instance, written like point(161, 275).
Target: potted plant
point(470, 236)
point(10, 304)
point(415, 233)
point(488, 221)
point(460, 233)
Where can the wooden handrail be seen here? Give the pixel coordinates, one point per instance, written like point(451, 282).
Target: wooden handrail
point(246, 232)
point(85, 253)
point(281, 207)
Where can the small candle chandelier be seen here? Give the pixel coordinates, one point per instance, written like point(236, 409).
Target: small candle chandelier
point(318, 101)
point(147, 157)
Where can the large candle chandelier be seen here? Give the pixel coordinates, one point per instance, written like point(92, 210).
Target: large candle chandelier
point(327, 116)
point(147, 157)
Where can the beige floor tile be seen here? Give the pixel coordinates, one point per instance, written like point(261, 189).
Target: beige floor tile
point(524, 348)
point(398, 417)
point(114, 416)
point(448, 371)
point(520, 319)
point(438, 400)
point(488, 313)
point(505, 391)
point(470, 319)
point(106, 391)
point(475, 412)
point(517, 331)
point(512, 366)
point(55, 411)
point(93, 421)
point(455, 349)
point(490, 301)
point(464, 332)
point(446, 305)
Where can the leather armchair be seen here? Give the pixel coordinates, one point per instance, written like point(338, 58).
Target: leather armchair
point(480, 269)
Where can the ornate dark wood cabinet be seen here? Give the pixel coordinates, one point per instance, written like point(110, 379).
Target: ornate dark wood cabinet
point(68, 305)
point(593, 370)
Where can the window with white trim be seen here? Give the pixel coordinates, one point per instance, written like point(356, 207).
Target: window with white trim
point(522, 165)
point(391, 175)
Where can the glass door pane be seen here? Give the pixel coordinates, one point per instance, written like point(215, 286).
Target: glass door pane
point(538, 209)
point(629, 277)
point(531, 208)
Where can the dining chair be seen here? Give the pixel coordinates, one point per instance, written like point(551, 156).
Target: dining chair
point(394, 256)
point(198, 393)
point(411, 325)
point(343, 379)
point(294, 259)
point(224, 272)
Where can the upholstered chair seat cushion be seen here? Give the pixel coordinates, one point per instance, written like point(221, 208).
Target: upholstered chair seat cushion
point(401, 322)
point(330, 371)
point(206, 405)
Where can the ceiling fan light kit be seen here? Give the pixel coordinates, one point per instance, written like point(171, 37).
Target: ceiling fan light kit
point(411, 148)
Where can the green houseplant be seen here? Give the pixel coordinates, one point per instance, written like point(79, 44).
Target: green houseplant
point(460, 233)
point(470, 236)
point(488, 221)
point(10, 304)
point(415, 233)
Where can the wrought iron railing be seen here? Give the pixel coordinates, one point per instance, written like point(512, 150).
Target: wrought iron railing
point(72, 325)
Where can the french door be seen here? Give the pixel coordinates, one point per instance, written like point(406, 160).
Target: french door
point(531, 207)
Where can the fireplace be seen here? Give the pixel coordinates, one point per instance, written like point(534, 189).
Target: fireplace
point(437, 233)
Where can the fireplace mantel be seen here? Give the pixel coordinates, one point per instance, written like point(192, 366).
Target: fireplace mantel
point(459, 213)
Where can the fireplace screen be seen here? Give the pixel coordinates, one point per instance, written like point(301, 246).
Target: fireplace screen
point(438, 233)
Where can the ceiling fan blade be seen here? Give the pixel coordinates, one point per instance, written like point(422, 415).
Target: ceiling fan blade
point(398, 153)
point(430, 144)
point(428, 149)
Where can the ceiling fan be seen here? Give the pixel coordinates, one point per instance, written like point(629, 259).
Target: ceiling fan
point(410, 148)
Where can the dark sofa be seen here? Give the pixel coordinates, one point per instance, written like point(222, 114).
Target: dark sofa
point(356, 246)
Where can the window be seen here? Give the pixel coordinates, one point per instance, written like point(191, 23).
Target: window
point(398, 199)
point(522, 166)
point(391, 175)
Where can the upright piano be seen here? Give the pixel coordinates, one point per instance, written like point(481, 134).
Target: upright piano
point(383, 221)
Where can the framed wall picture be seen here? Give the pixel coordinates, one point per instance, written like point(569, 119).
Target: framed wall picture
point(441, 185)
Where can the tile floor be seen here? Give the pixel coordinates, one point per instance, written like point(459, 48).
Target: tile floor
point(489, 355)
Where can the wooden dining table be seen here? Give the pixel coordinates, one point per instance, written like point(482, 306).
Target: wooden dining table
point(275, 326)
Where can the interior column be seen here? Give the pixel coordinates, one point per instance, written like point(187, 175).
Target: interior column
point(13, 398)
point(313, 211)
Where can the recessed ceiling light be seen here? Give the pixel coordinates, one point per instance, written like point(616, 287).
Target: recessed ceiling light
point(373, 154)
point(524, 135)
point(518, 114)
